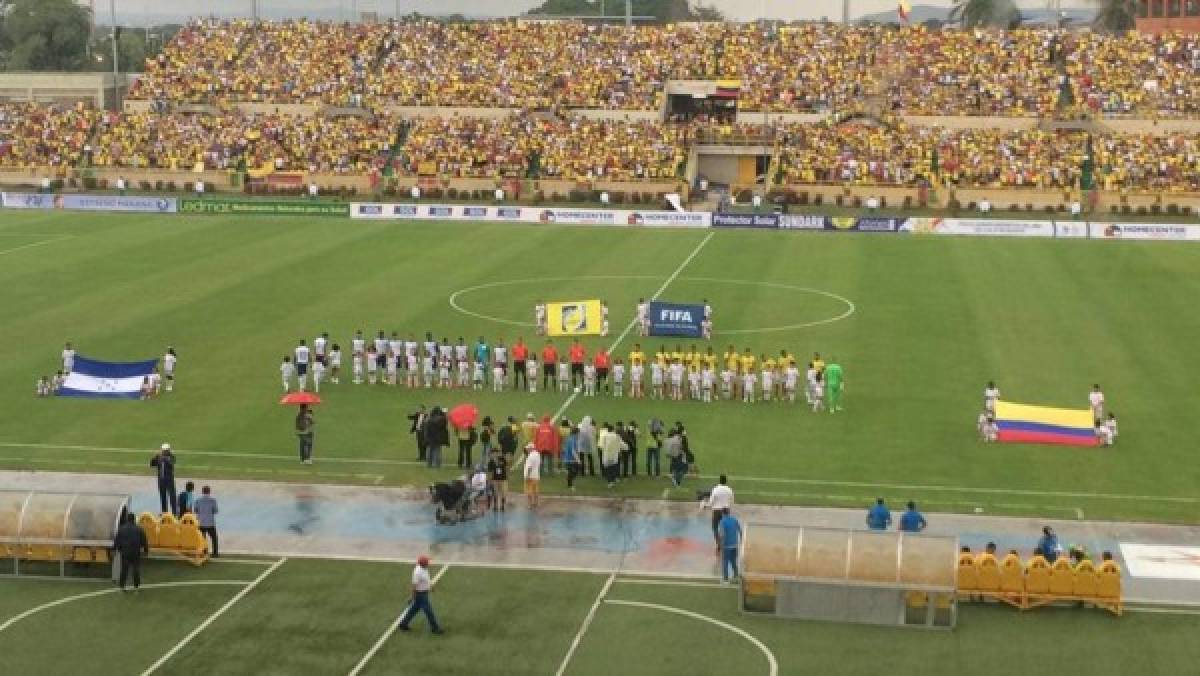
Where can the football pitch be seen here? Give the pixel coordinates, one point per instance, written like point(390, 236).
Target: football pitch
point(920, 324)
point(308, 616)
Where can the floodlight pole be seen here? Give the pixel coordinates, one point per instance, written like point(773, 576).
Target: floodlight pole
point(628, 13)
point(112, 10)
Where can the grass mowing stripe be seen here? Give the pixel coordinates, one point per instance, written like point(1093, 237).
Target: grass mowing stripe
point(391, 629)
point(633, 322)
point(30, 246)
point(587, 620)
point(213, 618)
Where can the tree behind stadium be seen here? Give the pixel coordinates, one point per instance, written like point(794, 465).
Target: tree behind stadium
point(1115, 16)
point(983, 13)
point(661, 10)
point(45, 34)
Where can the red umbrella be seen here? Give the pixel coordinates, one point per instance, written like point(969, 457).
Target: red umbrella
point(298, 398)
point(463, 415)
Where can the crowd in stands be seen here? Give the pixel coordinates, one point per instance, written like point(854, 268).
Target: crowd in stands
point(788, 68)
point(48, 136)
point(348, 144)
point(546, 146)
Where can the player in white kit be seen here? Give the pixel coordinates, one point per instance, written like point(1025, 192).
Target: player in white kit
point(356, 360)
point(335, 364)
point(818, 393)
point(318, 369)
point(618, 373)
point(169, 368)
point(603, 318)
point(675, 372)
point(637, 374)
point(749, 380)
point(539, 317)
point(768, 383)
point(656, 380)
point(1096, 399)
point(302, 356)
point(643, 317)
point(726, 383)
point(810, 383)
point(68, 359)
point(287, 371)
point(477, 375)
point(321, 348)
point(497, 378)
point(589, 379)
point(444, 372)
point(531, 373)
point(564, 375)
point(791, 376)
point(427, 369)
point(693, 378)
point(463, 371)
point(707, 378)
point(372, 364)
point(991, 394)
point(392, 367)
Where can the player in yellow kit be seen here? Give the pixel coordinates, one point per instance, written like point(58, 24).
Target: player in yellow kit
point(747, 362)
point(636, 356)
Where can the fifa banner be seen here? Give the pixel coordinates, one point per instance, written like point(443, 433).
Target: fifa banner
point(573, 318)
point(462, 212)
point(676, 319)
point(81, 202)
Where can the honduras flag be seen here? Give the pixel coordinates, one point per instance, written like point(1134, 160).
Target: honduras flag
point(107, 380)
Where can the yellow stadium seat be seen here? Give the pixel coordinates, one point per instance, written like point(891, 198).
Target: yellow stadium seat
point(1062, 577)
point(44, 553)
point(988, 572)
point(168, 531)
point(190, 538)
point(1085, 580)
point(1108, 581)
point(82, 555)
point(100, 555)
point(1012, 575)
point(759, 586)
point(1037, 576)
point(149, 524)
point(968, 574)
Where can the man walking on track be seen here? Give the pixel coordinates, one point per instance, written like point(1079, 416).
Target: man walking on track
point(834, 386)
point(720, 501)
point(421, 584)
point(164, 465)
point(730, 533)
point(131, 543)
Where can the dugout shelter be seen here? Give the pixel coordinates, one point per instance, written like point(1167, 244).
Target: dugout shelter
point(839, 575)
point(58, 534)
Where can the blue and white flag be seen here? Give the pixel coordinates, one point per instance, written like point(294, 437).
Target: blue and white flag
point(109, 380)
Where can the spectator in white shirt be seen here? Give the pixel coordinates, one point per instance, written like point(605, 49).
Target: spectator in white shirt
point(719, 498)
point(533, 474)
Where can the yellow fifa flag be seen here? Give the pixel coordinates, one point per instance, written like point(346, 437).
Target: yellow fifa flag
point(573, 318)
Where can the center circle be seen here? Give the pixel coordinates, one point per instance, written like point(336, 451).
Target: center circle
point(849, 307)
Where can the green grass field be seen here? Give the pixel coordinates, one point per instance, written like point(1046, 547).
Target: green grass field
point(322, 617)
point(934, 319)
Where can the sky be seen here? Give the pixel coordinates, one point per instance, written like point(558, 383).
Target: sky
point(140, 12)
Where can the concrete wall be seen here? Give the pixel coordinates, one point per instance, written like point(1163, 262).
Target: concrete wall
point(718, 168)
point(95, 88)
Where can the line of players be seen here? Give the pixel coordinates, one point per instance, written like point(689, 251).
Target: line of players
point(673, 374)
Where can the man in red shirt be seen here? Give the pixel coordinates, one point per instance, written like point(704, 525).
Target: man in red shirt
point(546, 441)
point(520, 353)
point(549, 361)
point(600, 361)
point(577, 355)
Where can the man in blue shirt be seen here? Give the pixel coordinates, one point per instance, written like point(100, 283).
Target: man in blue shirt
point(729, 532)
point(878, 516)
point(1049, 544)
point(911, 520)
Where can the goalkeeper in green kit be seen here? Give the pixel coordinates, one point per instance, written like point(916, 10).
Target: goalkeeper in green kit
point(834, 385)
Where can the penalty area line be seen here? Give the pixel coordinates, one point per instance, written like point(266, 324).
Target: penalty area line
point(587, 621)
point(213, 618)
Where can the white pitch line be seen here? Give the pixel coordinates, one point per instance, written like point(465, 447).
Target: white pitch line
point(215, 454)
point(213, 618)
point(114, 590)
point(771, 661)
point(392, 629)
point(674, 583)
point(587, 620)
point(963, 489)
point(633, 322)
point(30, 246)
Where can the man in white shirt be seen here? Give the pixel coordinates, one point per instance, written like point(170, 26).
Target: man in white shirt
point(719, 498)
point(68, 359)
point(991, 394)
point(421, 585)
point(533, 474)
